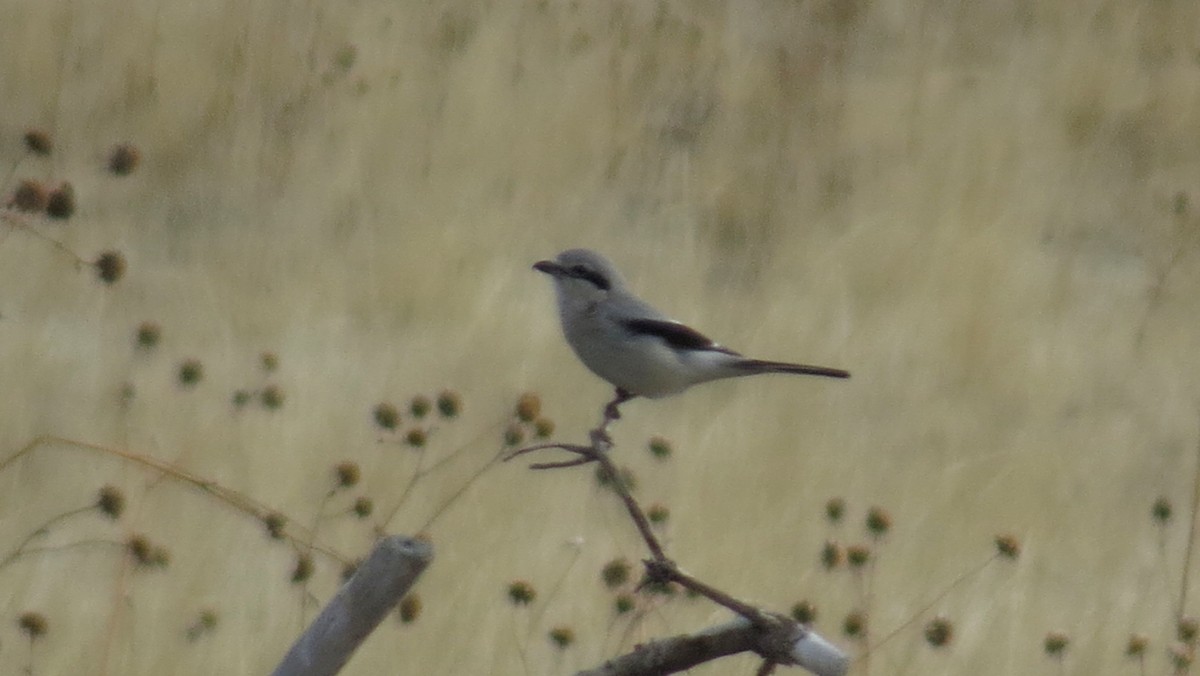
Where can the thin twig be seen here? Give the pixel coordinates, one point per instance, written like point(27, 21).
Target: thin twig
point(51, 549)
point(41, 530)
point(475, 476)
point(420, 472)
point(408, 488)
point(297, 535)
point(1191, 539)
point(13, 169)
point(934, 601)
point(19, 224)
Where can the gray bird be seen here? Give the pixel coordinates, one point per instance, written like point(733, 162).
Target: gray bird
point(638, 349)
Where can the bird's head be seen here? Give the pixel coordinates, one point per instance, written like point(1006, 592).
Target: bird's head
point(581, 274)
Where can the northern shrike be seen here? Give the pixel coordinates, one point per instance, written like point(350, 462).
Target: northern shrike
point(638, 349)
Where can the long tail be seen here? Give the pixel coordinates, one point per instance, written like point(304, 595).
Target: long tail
point(752, 366)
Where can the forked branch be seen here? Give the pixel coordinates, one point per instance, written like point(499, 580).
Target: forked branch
point(775, 638)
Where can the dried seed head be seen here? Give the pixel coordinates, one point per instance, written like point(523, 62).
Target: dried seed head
point(275, 524)
point(1137, 644)
point(658, 514)
point(416, 437)
point(148, 335)
point(419, 406)
point(543, 428)
point(271, 397)
point(111, 502)
point(1180, 203)
point(660, 448)
point(1182, 656)
point(123, 159)
point(1008, 546)
point(1162, 510)
point(30, 196)
point(616, 573)
point(303, 570)
point(1186, 630)
point(386, 415)
point(449, 403)
point(33, 625)
point(191, 371)
point(205, 622)
point(160, 557)
point(529, 406)
point(38, 142)
point(858, 555)
point(140, 549)
point(624, 603)
point(363, 507)
point(209, 618)
point(804, 612)
point(269, 361)
point(835, 509)
point(1055, 643)
point(562, 636)
point(939, 632)
point(110, 267)
point(879, 522)
point(855, 624)
point(241, 398)
point(60, 203)
point(514, 435)
point(521, 593)
point(410, 608)
point(347, 474)
point(832, 554)
point(345, 57)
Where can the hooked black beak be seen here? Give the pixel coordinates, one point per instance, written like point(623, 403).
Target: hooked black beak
point(549, 267)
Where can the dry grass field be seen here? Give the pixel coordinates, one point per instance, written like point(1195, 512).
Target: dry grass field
point(988, 212)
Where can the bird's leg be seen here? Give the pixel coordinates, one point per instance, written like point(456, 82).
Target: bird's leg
point(600, 438)
point(611, 412)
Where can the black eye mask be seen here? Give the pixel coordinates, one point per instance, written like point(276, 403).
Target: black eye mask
point(592, 277)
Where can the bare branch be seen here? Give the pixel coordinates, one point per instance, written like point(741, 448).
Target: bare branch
point(777, 639)
point(359, 606)
point(784, 643)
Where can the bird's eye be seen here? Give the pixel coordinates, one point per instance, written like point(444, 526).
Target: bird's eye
point(591, 276)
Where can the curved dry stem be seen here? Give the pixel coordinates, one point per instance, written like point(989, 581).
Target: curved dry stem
point(958, 581)
point(559, 465)
point(22, 225)
point(297, 535)
point(20, 550)
point(1185, 574)
point(572, 448)
point(422, 472)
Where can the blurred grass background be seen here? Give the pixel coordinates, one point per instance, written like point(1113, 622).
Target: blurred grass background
point(986, 211)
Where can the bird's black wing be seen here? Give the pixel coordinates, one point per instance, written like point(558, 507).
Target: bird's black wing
point(678, 336)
